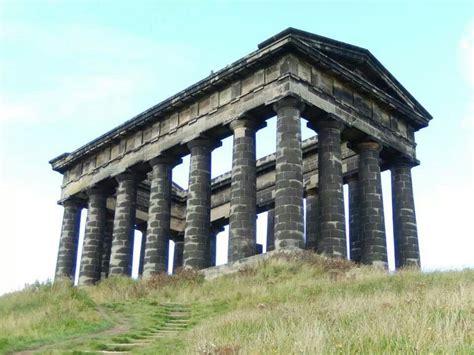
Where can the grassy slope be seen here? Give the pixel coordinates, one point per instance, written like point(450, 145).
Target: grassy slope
point(287, 305)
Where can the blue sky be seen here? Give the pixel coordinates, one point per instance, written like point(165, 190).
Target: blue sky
point(71, 70)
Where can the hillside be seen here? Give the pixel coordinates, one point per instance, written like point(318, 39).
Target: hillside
point(286, 305)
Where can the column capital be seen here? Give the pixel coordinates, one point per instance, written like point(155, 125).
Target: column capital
point(205, 142)
point(402, 161)
point(245, 122)
point(289, 101)
point(367, 145)
point(73, 201)
point(170, 160)
point(127, 175)
point(327, 121)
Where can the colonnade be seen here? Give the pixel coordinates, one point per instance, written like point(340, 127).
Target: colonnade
point(108, 240)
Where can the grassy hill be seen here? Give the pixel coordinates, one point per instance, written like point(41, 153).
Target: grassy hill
point(287, 305)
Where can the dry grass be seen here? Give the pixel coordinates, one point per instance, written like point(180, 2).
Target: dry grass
point(288, 305)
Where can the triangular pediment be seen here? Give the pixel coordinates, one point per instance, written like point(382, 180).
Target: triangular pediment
point(359, 61)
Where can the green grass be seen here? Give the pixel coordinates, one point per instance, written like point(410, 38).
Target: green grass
point(287, 305)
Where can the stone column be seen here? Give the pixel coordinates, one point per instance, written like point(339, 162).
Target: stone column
point(198, 207)
point(67, 253)
point(312, 219)
point(372, 225)
point(243, 200)
point(124, 225)
point(270, 229)
point(159, 217)
point(215, 230)
point(178, 255)
point(354, 219)
point(107, 246)
point(93, 236)
point(404, 219)
point(142, 228)
point(331, 195)
point(289, 213)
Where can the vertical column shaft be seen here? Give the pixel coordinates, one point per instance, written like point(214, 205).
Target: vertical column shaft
point(372, 224)
point(159, 217)
point(198, 207)
point(354, 219)
point(107, 246)
point(124, 225)
point(404, 219)
point(312, 219)
point(270, 229)
point(289, 213)
point(67, 252)
point(215, 230)
point(243, 200)
point(331, 195)
point(93, 237)
point(178, 255)
point(142, 228)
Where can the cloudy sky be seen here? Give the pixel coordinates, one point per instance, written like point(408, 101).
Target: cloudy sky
point(71, 70)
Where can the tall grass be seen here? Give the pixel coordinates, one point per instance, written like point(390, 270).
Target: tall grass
point(287, 305)
point(44, 312)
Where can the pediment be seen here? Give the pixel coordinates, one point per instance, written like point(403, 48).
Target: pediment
point(359, 61)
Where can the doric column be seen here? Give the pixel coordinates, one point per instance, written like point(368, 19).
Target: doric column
point(354, 219)
point(215, 230)
point(107, 246)
point(289, 213)
point(178, 255)
point(124, 225)
point(95, 229)
point(331, 195)
point(312, 219)
point(67, 252)
point(198, 207)
point(270, 229)
point(372, 225)
point(243, 199)
point(159, 216)
point(142, 228)
point(404, 219)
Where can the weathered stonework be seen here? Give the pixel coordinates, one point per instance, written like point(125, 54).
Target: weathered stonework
point(270, 229)
point(67, 253)
point(404, 219)
point(142, 228)
point(124, 225)
point(348, 97)
point(289, 215)
point(198, 209)
point(372, 224)
point(93, 236)
point(178, 255)
point(212, 257)
point(243, 201)
point(354, 219)
point(312, 219)
point(107, 246)
point(159, 217)
point(331, 196)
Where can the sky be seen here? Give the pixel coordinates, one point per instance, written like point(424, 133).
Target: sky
point(72, 70)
